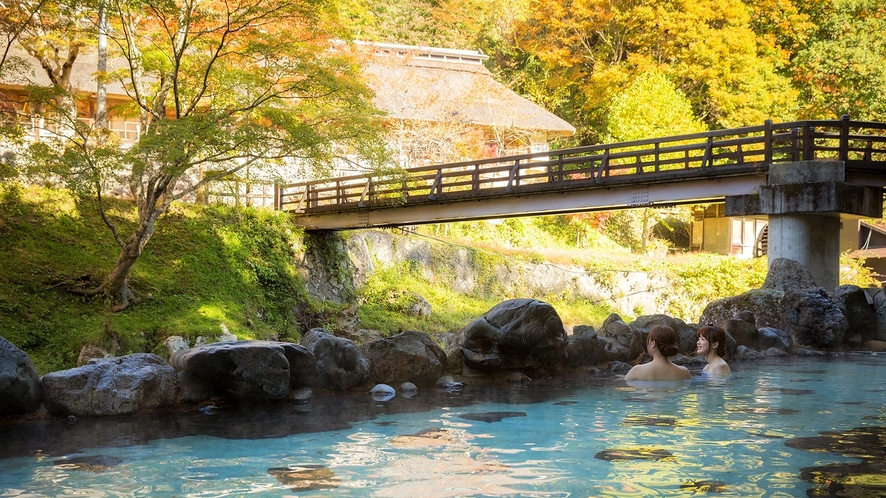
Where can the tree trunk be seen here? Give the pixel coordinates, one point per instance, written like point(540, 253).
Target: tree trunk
point(116, 284)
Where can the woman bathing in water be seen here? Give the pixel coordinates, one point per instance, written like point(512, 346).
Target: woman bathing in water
point(712, 344)
point(661, 344)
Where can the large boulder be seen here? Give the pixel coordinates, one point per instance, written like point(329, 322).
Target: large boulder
point(19, 381)
point(620, 342)
point(584, 348)
point(813, 319)
point(762, 303)
point(686, 339)
point(408, 356)
point(340, 365)
point(111, 386)
point(514, 335)
point(242, 370)
point(786, 274)
point(855, 304)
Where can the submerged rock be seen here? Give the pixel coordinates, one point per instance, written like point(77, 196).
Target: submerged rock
point(305, 477)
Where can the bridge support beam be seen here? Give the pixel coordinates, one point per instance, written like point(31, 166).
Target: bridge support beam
point(805, 202)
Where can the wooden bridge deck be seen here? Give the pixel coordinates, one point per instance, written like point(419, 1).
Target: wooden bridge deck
point(701, 167)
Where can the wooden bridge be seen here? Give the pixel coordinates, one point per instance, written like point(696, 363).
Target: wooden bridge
point(696, 168)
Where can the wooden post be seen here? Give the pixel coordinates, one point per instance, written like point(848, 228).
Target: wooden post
point(844, 137)
point(767, 145)
point(808, 143)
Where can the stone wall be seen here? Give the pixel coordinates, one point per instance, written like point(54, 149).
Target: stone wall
point(629, 293)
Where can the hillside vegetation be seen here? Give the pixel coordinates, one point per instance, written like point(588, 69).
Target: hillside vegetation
point(210, 268)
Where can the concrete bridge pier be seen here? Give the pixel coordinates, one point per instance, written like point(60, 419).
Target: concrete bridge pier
point(805, 202)
point(810, 239)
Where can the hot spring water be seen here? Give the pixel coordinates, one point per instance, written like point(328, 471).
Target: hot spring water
point(796, 427)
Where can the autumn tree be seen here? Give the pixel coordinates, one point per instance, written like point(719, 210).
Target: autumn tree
point(650, 107)
point(219, 87)
point(54, 32)
point(839, 69)
point(707, 48)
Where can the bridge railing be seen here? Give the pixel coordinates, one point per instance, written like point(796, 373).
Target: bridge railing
point(720, 152)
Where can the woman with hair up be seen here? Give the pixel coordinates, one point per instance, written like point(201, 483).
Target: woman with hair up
point(661, 344)
point(712, 344)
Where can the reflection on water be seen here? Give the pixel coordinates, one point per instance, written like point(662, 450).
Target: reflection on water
point(753, 434)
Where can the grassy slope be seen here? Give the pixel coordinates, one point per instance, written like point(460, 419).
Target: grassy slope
point(203, 267)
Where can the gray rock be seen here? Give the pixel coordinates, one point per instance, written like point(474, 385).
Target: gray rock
point(448, 383)
point(621, 342)
point(382, 389)
point(339, 362)
point(454, 359)
point(514, 335)
point(584, 349)
point(747, 316)
point(786, 274)
point(775, 353)
point(686, 339)
point(619, 367)
point(419, 307)
point(856, 307)
point(302, 395)
point(302, 365)
point(20, 390)
point(880, 331)
point(775, 338)
point(175, 344)
point(193, 390)
point(409, 355)
point(111, 386)
point(408, 388)
point(813, 319)
point(815, 353)
point(763, 303)
point(744, 333)
point(744, 353)
point(243, 370)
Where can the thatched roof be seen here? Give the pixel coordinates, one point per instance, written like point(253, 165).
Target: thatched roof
point(431, 84)
point(410, 83)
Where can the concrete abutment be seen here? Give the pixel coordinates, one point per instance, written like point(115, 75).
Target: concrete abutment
point(805, 202)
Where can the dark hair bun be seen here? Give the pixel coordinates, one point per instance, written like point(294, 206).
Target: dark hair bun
point(668, 349)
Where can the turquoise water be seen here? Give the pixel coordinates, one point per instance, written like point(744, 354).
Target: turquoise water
point(588, 436)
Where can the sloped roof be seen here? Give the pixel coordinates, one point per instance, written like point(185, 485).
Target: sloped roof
point(410, 83)
point(431, 84)
point(82, 73)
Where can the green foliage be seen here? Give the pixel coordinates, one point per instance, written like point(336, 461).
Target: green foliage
point(839, 71)
point(208, 266)
point(853, 272)
point(699, 278)
point(390, 291)
point(650, 107)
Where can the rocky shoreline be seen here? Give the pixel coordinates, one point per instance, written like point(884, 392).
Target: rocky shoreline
point(515, 341)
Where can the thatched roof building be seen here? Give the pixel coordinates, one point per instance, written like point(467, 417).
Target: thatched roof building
point(435, 84)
